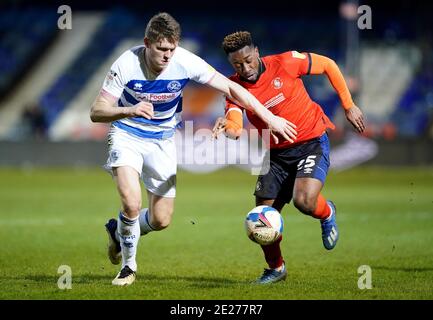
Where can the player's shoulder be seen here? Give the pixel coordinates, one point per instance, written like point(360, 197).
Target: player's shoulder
point(182, 51)
point(287, 56)
point(190, 64)
point(184, 55)
point(183, 58)
point(129, 56)
point(135, 51)
point(132, 53)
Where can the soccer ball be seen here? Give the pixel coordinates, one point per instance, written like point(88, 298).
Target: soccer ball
point(264, 225)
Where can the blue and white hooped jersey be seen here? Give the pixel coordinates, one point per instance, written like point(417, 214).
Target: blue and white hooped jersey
point(127, 81)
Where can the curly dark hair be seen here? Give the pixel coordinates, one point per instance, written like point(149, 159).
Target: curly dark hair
point(163, 25)
point(236, 41)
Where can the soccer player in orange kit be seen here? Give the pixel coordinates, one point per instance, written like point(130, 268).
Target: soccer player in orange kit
point(297, 168)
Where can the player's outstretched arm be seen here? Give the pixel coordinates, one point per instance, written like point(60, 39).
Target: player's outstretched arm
point(321, 64)
point(104, 109)
point(242, 97)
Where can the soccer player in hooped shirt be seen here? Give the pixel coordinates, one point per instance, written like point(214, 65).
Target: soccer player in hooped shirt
point(297, 168)
point(142, 98)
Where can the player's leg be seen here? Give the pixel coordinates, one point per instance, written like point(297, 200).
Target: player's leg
point(272, 252)
point(114, 248)
point(308, 199)
point(311, 174)
point(160, 212)
point(129, 189)
point(159, 177)
point(125, 164)
point(273, 188)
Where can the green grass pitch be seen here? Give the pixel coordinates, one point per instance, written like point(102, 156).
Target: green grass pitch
point(54, 217)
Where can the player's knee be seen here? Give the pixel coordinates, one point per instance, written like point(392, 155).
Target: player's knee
point(131, 208)
point(161, 223)
point(162, 219)
point(305, 203)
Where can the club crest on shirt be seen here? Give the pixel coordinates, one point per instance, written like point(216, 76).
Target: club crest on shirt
point(174, 86)
point(277, 83)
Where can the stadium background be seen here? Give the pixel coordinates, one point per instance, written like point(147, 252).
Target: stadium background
point(50, 152)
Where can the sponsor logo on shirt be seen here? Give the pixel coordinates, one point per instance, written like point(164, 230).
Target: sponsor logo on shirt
point(138, 86)
point(275, 100)
point(157, 97)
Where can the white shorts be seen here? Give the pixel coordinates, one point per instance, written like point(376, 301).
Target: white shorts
point(153, 159)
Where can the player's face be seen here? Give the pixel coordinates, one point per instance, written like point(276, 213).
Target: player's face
point(246, 63)
point(159, 53)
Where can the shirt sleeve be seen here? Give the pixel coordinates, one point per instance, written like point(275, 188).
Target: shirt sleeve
point(198, 69)
point(115, 80)
point(234, 118)
point(323, 64)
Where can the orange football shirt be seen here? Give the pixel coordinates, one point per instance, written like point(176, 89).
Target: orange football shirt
point(281, 90)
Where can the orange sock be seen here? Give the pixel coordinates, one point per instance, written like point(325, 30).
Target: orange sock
point(273, 254)
point(322, 209)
